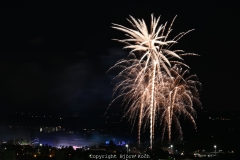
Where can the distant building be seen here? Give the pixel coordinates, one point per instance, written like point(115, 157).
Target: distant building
point(50, 129)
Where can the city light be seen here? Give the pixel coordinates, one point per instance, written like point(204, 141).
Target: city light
point(171, 148)
point(215, 147)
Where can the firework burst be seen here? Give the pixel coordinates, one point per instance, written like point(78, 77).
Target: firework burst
point(147, 79)
point(179, 95)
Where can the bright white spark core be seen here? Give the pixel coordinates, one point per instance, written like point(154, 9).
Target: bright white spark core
point(146, 78)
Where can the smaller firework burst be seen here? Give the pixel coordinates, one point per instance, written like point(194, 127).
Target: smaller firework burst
point(180, 95)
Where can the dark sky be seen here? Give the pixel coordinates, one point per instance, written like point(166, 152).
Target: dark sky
point(56, 54)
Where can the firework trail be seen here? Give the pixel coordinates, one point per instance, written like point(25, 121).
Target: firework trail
point(133, 88)
point(147, 75)
point(180, 93)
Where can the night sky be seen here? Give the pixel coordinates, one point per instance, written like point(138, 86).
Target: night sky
point(56, 54)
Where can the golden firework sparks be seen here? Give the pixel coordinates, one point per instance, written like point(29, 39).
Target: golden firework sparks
point(149, 85)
